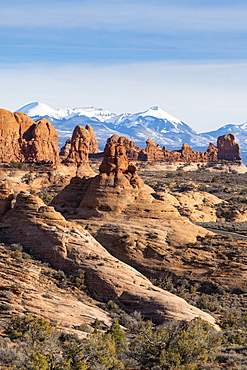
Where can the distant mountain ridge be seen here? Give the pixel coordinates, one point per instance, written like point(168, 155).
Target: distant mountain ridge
point(154, 123)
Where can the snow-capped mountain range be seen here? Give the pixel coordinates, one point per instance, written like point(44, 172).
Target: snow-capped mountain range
point(154, 123)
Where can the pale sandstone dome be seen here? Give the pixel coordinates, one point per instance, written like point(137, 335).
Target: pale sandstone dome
point(200, 206)
point(67, 246)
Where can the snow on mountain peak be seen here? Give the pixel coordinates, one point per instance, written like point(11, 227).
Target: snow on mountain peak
point(159, 113)
point(37, 109)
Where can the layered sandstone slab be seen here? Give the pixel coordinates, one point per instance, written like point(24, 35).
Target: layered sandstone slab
point(68, 246)
point(24, 140)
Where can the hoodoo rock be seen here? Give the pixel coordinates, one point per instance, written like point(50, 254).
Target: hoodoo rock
point(151, 153)
point(24, 140)
point(132, 150)
point(82, 143)
point(64, 151)
point(77, 148)
point(228, 149)
point(93, 144)
point(69, 247)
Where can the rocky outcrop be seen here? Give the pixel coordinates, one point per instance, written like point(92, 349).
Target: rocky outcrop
point(64, 151)
point(76, 150)
point(68, 247)
point(132, 150)
point(82, 143)
point(93, 144)
point(151, 153)
point(118, 199)
point(6, 197)
point(24, 140)
point(228, 149)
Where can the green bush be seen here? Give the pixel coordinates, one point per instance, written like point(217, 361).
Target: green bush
point(181, 345)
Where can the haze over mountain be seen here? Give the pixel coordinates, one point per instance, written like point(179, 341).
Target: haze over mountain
point(154, 123)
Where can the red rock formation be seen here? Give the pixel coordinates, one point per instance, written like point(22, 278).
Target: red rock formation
point(93, 144)
point(115, 169)
point(64, 151)
point(211, 153)
point(82, 143)
point(151, 153)
point(132, 150)
point(24, 140)
point(6, 197)
point(78, 147)
point(228, 149)
point(117, 200)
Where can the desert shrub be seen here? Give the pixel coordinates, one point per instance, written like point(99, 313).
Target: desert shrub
point(181, 345)
point(14, 164)
point(207, 302)
point(16, 247)
point(118, 336)
point(84, 327)
point(5, 307)
point(78, 279)
point(16, 255)
point(59, 275)
point(47, 198)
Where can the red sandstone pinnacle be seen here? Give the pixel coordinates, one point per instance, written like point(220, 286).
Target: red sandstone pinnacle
point(228, 149)
point(132, 150)
point(77, 148)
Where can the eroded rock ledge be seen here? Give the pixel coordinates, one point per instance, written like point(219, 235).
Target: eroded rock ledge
point(67, 246)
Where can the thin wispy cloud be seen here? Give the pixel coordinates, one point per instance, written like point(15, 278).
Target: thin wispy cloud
point(117, 15)
point(188, 56)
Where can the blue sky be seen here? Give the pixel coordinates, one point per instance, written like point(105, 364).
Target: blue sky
point(189, 57)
